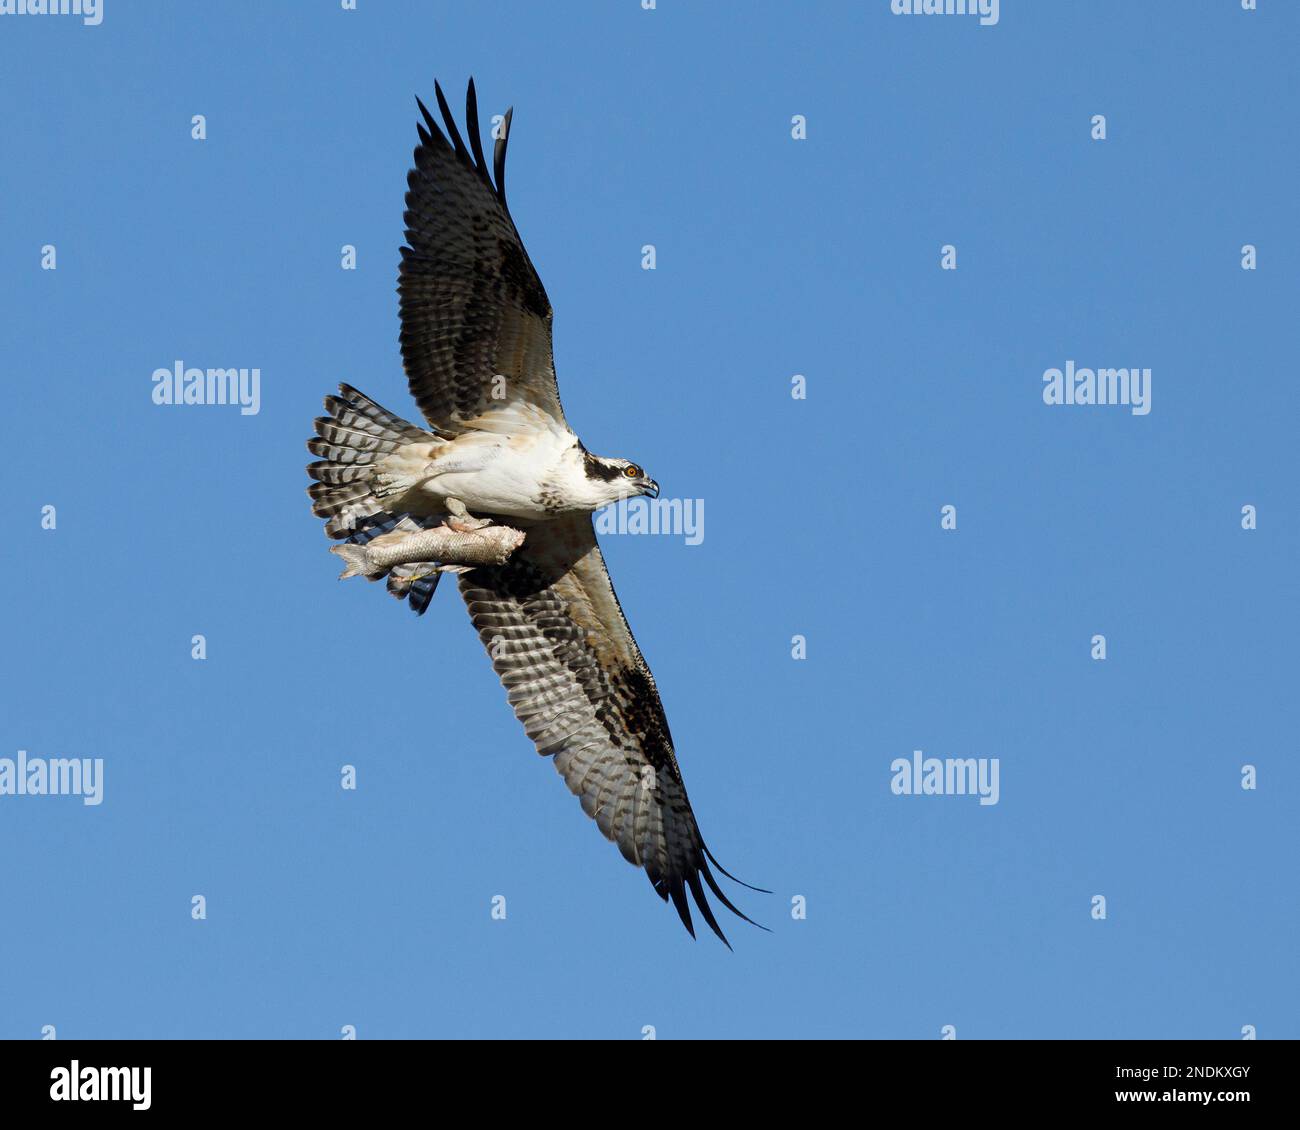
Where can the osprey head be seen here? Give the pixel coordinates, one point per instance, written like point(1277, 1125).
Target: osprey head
point(612, 479)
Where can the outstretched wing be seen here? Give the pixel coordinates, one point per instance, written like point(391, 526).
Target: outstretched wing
point(472, 307)
point(576, 679)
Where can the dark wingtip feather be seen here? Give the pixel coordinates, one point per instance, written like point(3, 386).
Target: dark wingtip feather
point(475, 141)
point(677, 891)
point(450, 122)
point(433, 129)
point(499, 157)
point(722, 898)
point(706, 910)
point(729, 875)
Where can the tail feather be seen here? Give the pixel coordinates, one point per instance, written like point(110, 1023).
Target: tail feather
point(337, 474)
point(356, 410)
point(344, 445)
point(356, 434)
point(347, 507)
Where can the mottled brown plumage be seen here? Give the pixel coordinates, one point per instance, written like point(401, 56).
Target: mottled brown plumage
point(576, 679)
point(471, 303)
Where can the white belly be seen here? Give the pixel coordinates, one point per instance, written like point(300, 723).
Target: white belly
point(492, 474)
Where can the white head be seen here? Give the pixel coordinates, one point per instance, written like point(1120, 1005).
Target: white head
point(595, 481)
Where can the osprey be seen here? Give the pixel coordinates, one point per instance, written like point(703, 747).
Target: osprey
point(476, 347)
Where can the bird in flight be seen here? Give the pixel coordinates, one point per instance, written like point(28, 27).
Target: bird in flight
point(476, 347)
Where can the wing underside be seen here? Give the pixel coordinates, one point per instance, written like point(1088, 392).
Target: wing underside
point(473, 309)
point(558, 639)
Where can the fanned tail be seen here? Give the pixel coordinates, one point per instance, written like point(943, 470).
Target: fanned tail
point(357, 434)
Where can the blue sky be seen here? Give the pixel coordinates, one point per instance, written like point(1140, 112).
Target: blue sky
point(775, 257)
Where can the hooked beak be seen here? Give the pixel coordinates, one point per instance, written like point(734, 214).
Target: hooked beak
point(651, 488)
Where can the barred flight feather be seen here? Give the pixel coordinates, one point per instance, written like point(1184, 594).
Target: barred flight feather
point(561, 646)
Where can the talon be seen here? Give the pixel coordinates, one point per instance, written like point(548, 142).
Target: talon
point(459, 520)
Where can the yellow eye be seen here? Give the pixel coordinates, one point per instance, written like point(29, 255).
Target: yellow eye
point(632, 471)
